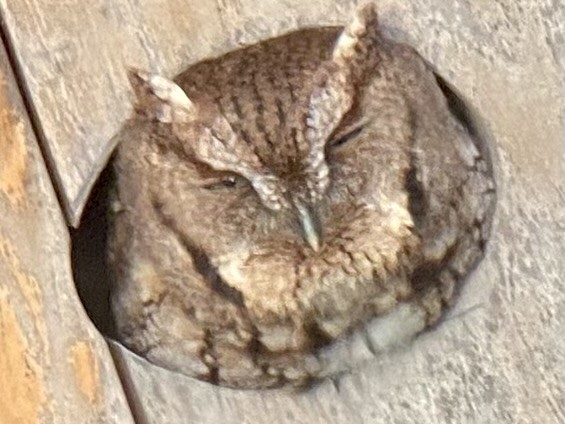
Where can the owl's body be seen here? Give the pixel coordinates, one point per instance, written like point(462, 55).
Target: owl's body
point(290, 193)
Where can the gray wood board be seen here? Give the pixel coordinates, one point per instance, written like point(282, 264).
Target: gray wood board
point(500, 355)
point(54, 366)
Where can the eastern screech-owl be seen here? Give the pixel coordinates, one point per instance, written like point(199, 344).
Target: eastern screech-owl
point(275, 200)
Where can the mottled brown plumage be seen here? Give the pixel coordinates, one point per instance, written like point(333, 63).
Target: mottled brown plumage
point(280, 197)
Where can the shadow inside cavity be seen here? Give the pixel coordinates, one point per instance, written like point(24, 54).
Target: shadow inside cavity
point(88, 255)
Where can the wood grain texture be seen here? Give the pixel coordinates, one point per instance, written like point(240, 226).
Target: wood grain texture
point(54, 366)
point(499, 357)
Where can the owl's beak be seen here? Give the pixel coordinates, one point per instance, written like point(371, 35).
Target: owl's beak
point(309, 228)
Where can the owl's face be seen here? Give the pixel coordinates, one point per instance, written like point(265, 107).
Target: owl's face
point(281, 201)
point(298, 205)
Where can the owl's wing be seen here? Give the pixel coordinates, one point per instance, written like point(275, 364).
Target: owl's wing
point(452, 192)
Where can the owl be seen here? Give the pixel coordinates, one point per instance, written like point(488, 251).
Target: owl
point(274, 201)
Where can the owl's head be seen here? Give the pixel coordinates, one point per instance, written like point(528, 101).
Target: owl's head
point(291, 189)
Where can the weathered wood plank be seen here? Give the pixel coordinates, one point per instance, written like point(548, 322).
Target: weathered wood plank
point(74, 59)
point(500, 355)
point(54, 366)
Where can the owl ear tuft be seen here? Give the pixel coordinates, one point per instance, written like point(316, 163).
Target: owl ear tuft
point(359, 37)
point(159, 98)
point(334, 89)
point(335, 84)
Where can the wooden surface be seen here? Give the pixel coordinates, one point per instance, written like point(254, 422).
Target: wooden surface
point(54, 366)
point(500, 356)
